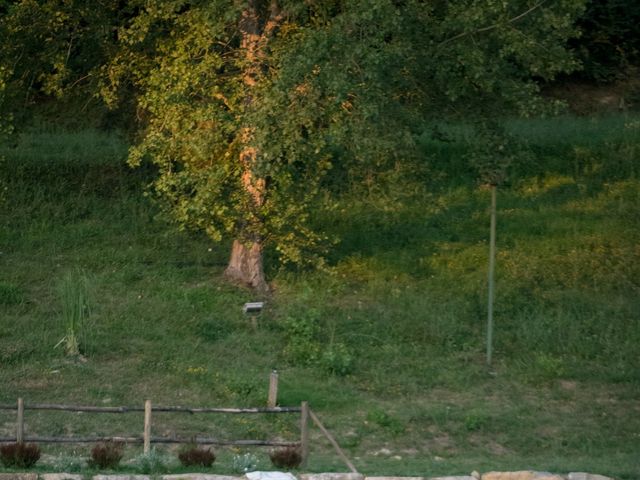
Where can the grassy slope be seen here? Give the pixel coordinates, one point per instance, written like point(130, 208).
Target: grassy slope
point(402, 311)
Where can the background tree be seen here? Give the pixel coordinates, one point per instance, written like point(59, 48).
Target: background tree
point(53, 50)
point(609, 44)
point(251, 109)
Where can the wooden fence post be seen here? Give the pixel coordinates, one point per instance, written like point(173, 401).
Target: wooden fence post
point(272, 400)
point(20, 422)
point(147, 426)
point(304, 433)
point(333, 442)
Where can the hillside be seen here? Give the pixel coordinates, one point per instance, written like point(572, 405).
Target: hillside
point(387, 344)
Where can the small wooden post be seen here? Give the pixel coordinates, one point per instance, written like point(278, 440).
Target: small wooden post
point(147, 426)
point(304, 433)
point(333, 442)
point(20, 422)
point(272, 400)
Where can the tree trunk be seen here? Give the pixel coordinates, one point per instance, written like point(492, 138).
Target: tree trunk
point(245, 265)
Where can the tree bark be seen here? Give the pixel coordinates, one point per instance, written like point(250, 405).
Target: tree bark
point(246, 264)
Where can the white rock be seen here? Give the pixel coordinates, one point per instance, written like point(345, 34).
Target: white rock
point(383, 451)
point(198, 476)
point(331, 476)
point(586, 476)
point(121, 477)
point(269, 476)
point(523, 475)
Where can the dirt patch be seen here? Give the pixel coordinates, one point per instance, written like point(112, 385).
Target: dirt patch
point(585, 98)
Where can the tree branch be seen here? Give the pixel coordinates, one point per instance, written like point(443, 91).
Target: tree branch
point(495, 25)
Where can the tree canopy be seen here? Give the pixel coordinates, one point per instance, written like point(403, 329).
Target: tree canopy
point(250, 109)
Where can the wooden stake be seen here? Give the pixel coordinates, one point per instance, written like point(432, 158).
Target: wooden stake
point(333, 442)
point(20, 422)
point(272, 400)
point(304, 433)
point(147, 426)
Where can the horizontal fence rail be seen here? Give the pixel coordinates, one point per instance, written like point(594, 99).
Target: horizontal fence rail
point(81, 408)
point(166, 440)
point(147, 439)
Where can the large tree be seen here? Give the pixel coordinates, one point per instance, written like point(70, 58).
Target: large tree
point(252, 108)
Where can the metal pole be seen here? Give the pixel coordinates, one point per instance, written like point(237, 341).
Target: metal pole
point(492, 265)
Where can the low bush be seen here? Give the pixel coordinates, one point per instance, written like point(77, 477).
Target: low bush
point(106, 455)
point(195, 456)
point(21, 455)
point(286, 458)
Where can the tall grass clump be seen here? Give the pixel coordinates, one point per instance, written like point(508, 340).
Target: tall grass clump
point(75, 312)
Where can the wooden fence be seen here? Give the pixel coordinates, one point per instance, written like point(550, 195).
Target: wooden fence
point(147, 439)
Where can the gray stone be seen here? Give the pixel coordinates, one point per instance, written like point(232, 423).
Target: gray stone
point(121, 477)
point(522, 475)
point(331, 476)
point(61, 476)
point(463, 477)
point(586, 476)
point(198, 476)
point(18, 476)
point(395, 478)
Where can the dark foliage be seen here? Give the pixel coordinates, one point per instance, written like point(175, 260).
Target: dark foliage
point(106, 455)
point(289, 457)
point(610, 40)
point(21, 455)
point(195, 456)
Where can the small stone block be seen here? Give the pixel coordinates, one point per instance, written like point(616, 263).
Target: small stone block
point(121, 477)
point(269, 476)
point(61, 476)
point(463, 477)
point(18, 476)
point(395, 478)
point(198, 476)
point(523, 475)
point(586, 476)
point(331, 476)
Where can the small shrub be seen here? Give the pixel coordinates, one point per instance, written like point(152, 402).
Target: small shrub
point(21, 455)
point(337, 360)
point(10, 294)
point(245, 463)
point(384, 420)
point(286, 458)
point(301, 332)
point(195, 456)
point(475, 421)
point(106, 455)
point(152, 462)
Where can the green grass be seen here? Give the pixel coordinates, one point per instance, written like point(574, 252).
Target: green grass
point(400, 315)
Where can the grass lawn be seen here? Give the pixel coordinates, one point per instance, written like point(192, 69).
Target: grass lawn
point(387, 344)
